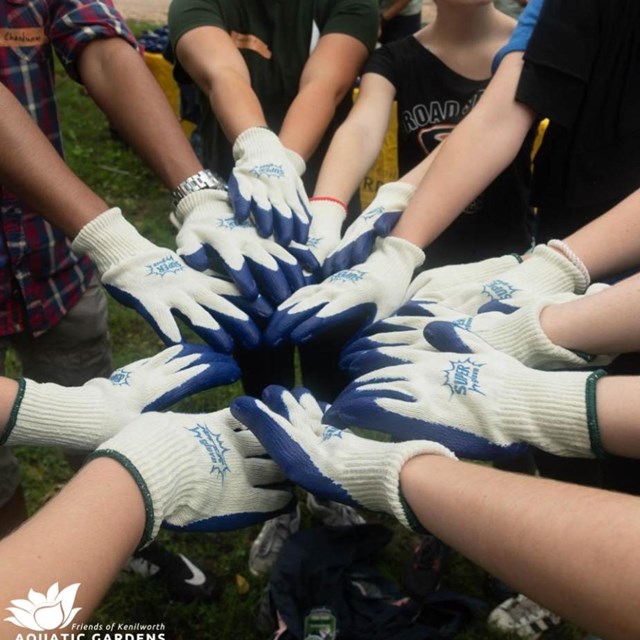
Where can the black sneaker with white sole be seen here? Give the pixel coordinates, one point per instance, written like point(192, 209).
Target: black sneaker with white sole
point(185, 581)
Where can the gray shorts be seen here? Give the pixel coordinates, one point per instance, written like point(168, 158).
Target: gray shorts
point(76, 350)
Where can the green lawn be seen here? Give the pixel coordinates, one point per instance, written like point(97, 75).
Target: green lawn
point(117, 175)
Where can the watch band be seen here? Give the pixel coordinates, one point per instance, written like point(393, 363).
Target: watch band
point(204, 179)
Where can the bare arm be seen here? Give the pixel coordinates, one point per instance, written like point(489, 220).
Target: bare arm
point(209, 56)
point(475, 153)
point(84, 535)
point(550, 540)
point(119, 81)
point(394, 9)
point(34, 171)
point(327, 76)
point(357, 143)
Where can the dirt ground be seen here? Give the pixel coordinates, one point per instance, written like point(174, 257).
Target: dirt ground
point(156, 10)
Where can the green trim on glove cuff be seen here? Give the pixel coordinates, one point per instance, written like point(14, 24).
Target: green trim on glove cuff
point(592, 414)
point(414, 523)
point(13, 417)
point(147, 534)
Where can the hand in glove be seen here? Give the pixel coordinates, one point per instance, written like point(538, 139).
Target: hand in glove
point(357, 296)
point(544, 272)
point(158, 284)
point(375, 221)
point(80, 418)
point(198, 472)
point(265, 184)
point(330, 463)
point(327, 218)
point(482, 404)
point(210, 238)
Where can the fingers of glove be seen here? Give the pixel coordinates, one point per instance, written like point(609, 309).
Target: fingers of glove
point(314, 408)
point(272, 283)
point(284, 321)
point(282, 222)
point(262, 217)
point(220, 370)
point(233, 262)
point(502, 306)
point(203, 325)
point(197, 259)
point(160, 319)
point(417, 308)
point(301, 218)
point(452, 338)
point(386, 222)
point(258, 310)
point(339, 259)
point(304, 255)
point(298, 407)
point(264, 472)
point(242, 328)
point(367, 361)
point(240, 195)
point(349, 320)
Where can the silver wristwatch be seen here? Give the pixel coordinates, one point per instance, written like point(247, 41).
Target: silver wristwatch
point(204, 179)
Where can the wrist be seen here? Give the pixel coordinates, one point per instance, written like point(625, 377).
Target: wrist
point(203, 201)
point(202, 180)
point(331, 199)
point(564, 249)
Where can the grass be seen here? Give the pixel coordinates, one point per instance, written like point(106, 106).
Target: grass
point(119, 177)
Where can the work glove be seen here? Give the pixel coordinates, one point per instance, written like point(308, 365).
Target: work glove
point(351, 298)
point(211, 238)
point(198, 472)
point(80, 418)
point(330, 463)
point(327, 218)
point(265, 185)
point(158, 284)
point(375, 221)
point(544, 272)
point(518, 334)
point(481, 404)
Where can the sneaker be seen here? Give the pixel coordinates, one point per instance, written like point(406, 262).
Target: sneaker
point(267, 545)
point(184, 580)
point(333, 514)
point(423, 573)
point(524, 617)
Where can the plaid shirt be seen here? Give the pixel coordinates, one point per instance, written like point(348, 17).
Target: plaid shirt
point(40, 277)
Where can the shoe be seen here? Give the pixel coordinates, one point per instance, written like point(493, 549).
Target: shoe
point(423, 573)
point(524, 617)
point(333, 514)
point(184, 580)
point(266, 547)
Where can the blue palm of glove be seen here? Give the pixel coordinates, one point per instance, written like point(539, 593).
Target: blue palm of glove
point(293, 458)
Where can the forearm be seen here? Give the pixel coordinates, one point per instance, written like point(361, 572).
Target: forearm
point(35, 172)
point(477, 151)
point(602, 323)
point(619, 228)
point(308, 117)
point(549, 540)
point(8, 393)
point(83, 535)
point(393, 10)
point(119, 81)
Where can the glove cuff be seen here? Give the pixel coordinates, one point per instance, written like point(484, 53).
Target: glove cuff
point(374, 479)
point(401, 252)
point(204, 198)
point(108, 239)
point(260, 140)
point(51, 415)
point(297, 161)
point(395, 194)
point(330, 208)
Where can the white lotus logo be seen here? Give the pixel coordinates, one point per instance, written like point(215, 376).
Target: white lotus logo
point(45, 612)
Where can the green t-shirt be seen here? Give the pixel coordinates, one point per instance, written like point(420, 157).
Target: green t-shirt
point(275, 38)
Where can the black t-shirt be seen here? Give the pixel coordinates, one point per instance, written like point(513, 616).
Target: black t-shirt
point(432, 99)
point(582, 71)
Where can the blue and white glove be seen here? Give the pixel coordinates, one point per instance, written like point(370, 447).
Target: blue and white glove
point(518, 334)
point(198, 472)
point(158, 284)
point(80, 418)
point(349, 299)
point(435, 284)
point(327, 218)
point(481, 404)
point(330, 463)
point(211, 238)
point(544, 272)
point(375, 221)
point(265, 185)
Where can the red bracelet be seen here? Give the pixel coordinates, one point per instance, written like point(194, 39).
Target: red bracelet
point(329, 199)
